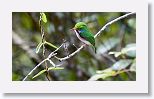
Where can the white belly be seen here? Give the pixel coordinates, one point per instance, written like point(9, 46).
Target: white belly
point(81, 39)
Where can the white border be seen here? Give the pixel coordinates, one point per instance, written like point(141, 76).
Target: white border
point(138, 86)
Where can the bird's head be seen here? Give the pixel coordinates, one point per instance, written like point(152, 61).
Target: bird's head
point(80, 26)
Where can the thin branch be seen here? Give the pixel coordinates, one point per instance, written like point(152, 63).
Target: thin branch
point(47, 59)
point(34, 69)
point(111, 22)
point(44, 49)
point(97, 34)
point(51, 54)
point(52, 63)
point(69, 56)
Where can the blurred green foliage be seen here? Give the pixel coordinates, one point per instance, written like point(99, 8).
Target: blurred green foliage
point(85, 65)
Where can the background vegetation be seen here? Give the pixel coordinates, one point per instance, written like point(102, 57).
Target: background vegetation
point(116, 53)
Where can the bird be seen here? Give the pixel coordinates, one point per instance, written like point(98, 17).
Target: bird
point(84, 34)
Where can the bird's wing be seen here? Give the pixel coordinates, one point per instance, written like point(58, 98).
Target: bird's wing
point(89, 37)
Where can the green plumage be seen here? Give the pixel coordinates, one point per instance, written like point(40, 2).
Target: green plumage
point(85, 34)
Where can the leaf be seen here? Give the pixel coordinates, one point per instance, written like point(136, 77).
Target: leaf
point(55, 68)
point(116, 54)
point(95, 77)
point(133, 66)
point(50, 44)
point(38, 47)
point(44, 70)
point(103, 71)
point(104, 75)
point(44, 18)
point(121, 64)
point(118, 66)
point(129, 50)
point(38, 74)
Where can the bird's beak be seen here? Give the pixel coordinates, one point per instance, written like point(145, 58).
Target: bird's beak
point(73, 29)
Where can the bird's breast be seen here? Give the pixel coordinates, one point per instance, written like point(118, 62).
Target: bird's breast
point(81, 39)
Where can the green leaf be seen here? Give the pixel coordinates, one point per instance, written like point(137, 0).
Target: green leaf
point(44, 70)
point(38, 74)
point(95, 77)
point(50, 44)
point(121, 64)
point(38, 47)
point(106, 73)
point(133, 66)
point(55, 68)
point(44, 18)
point(118, 66)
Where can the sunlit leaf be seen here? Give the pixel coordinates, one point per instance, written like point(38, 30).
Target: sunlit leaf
point(38, 74)
point(43, 17)
point(38, 47)
point(121, 64)
point(129, 50)
point(104, 71)
point(51, 68)
point(103, 75)
point(95, 77)
point(116, 54)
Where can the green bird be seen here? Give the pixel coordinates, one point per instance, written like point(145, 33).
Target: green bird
point(84, 34)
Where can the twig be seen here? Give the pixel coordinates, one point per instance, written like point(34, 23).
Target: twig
point(34, 69)
point(113, 21)
point(75, 46)
point(69, 56)
point(44, 49)
point(97, 34)
point(47, 59)
point(51, 54)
